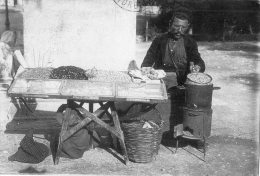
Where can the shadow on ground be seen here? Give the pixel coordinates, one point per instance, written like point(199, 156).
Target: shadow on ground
point(169, 141)
point(32, 170)
point(252, 80)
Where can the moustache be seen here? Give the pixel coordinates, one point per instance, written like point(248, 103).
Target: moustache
point(173, 34)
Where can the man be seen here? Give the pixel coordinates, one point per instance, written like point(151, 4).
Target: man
point(174, 51)
point(177, 54)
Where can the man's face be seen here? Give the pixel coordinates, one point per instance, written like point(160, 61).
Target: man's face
point(179, 27)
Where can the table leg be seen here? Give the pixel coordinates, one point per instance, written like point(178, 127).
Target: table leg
point(204, 147)
point(177, 144)
point(64, 128)
point(90, 131)
point(106, 111)
point(119, 130)
point(54, 141)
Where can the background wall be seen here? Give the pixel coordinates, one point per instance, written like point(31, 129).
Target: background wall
point(82, 33)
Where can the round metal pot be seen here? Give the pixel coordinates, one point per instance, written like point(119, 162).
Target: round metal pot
point(199, 95)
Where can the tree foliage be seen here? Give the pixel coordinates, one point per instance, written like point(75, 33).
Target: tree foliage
point(208, 16)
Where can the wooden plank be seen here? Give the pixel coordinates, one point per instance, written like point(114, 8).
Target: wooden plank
point(83, 88)
point(90, 109)
point(118, 128)
point(19, 71)
point(115, 117)
point(106, 111)
point(65, 122)
point(35, 87)
point(102, 109)
point(95, 118)
point(19, 57)
point(64, 128)
point(140, 91)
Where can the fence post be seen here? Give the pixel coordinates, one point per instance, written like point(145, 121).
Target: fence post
point(7, 22)
point(146, 30)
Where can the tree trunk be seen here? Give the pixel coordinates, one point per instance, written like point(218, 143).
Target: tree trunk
point(7, 22)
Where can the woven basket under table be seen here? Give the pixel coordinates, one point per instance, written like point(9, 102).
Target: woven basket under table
point(142, 144)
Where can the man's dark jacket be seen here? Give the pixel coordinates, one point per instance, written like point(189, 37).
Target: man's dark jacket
point(156, 52)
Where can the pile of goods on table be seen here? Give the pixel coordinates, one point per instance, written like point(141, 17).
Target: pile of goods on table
point(107, 75)
point(72, 72)
point(145, 73)
point(36, 73)
point(68, 72)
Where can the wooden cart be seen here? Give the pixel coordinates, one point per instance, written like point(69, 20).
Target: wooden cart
point(78, 92)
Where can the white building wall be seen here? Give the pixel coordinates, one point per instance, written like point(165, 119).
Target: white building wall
point(84, 33)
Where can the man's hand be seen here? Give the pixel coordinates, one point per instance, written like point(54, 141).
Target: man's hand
point(195, 69)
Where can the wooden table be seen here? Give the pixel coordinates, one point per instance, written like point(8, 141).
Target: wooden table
point(79, 92)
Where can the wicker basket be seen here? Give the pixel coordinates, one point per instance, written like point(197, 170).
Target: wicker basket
point(142, 144)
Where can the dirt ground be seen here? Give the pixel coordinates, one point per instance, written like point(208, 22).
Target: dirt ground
point(233, 146)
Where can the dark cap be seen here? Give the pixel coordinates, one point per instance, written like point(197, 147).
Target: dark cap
point(182, 13)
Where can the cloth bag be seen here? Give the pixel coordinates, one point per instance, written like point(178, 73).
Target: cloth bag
point(75, 146)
